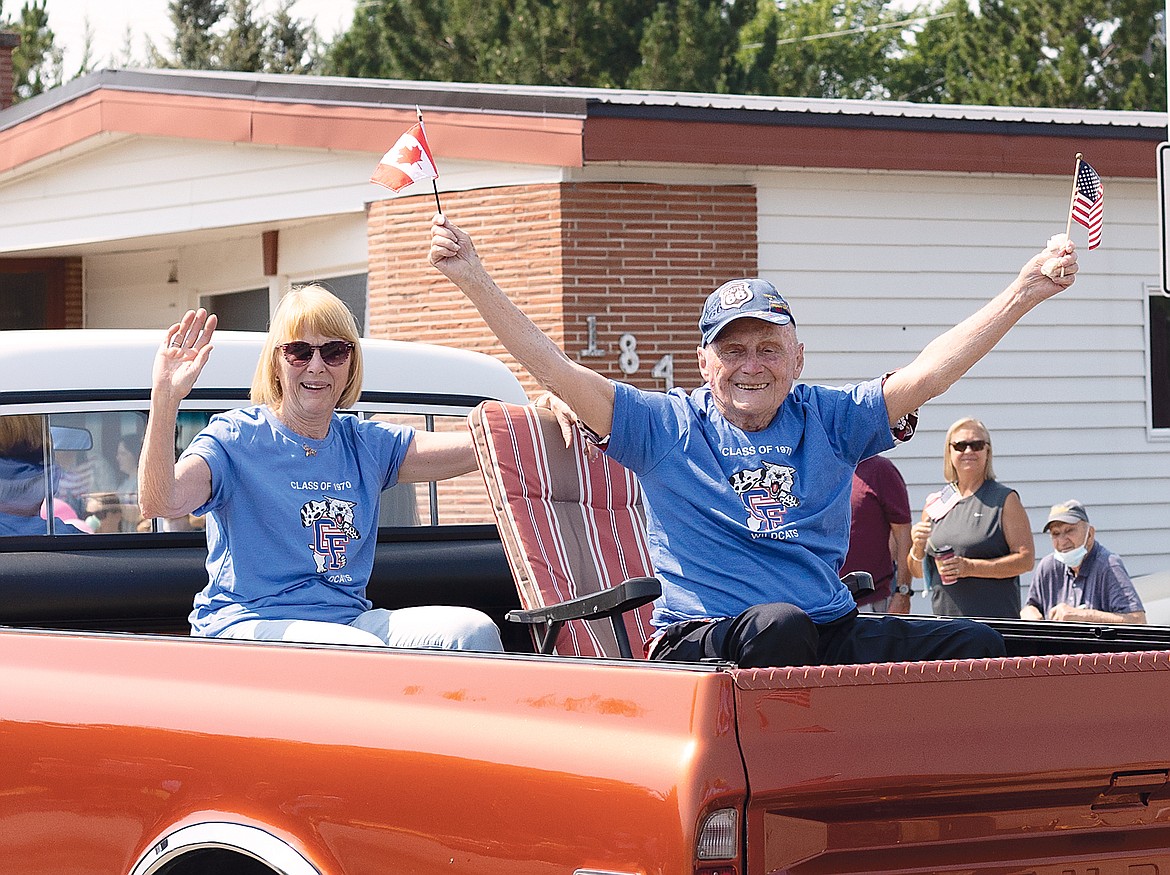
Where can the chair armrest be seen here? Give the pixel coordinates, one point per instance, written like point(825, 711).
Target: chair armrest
point(626, 596)
point(860, 583)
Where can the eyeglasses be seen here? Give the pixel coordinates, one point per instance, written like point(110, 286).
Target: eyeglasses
point(963, 446)
point(104, 512)
point(299, 353)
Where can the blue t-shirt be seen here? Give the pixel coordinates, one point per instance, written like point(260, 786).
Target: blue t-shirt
point(739, 518)
point(291, 523)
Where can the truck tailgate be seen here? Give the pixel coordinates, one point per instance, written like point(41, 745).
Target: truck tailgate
point(1054, 765)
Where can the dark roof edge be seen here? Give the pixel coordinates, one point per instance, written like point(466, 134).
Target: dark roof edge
point(786, 117)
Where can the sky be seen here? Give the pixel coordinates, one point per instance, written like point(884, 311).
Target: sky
point(149, 18)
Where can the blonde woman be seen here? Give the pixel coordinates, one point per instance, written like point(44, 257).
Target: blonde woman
point(984, 524)
point(266, 474)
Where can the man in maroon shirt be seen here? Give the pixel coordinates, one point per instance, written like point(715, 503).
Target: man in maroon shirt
point(879, 537)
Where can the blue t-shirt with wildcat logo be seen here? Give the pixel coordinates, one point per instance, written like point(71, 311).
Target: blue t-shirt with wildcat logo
point(292, 522)
point(738, 518)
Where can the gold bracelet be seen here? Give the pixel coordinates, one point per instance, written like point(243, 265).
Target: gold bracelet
point(917, 558)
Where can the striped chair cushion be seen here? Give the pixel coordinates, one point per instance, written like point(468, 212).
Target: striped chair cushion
point(570, 525)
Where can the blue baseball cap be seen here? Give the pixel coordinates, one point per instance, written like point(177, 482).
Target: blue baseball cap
point(743, 297)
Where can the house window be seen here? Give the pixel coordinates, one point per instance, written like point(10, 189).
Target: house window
point(248, 310)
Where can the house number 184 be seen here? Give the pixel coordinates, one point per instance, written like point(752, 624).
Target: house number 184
point(629, 362)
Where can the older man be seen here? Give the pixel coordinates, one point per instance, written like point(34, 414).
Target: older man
point(747, 479)
point(1081, 581)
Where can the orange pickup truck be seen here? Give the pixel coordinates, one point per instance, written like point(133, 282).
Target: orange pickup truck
point(128, 747)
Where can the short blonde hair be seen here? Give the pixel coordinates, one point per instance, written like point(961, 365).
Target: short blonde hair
point(311, 309)
point(949, 472)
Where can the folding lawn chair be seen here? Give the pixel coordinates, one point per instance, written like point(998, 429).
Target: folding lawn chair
point(573, 530)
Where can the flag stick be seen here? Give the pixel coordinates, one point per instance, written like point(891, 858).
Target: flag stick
point(1072, 199)
point(434, 185)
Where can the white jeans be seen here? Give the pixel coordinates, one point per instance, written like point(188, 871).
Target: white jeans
point(433, 627)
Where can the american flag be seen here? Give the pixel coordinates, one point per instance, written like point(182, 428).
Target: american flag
point(1088, 204)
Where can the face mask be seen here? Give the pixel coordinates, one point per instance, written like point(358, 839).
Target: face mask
point(1075, 556)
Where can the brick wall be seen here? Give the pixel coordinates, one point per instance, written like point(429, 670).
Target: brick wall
point(638, 258)
point(74, 293)
point(8, 43)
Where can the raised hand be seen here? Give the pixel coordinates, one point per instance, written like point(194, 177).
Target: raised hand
point(183, 353)
point(1052, 270)
point(452, 251)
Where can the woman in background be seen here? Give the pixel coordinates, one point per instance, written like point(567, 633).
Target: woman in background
point(985, 525)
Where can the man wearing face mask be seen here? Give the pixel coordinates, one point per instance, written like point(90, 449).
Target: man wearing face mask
point(1081, 581)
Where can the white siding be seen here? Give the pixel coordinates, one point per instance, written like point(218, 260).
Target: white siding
point(877, 264)
point(139, 187)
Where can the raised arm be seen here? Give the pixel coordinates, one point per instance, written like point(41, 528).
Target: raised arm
point(587, 392)
point(950, 355)
point(167, 489)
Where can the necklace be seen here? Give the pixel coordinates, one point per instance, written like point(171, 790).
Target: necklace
point(309, 451)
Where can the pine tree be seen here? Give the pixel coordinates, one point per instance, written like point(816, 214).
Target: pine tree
point(290, 45)
point(242, 47)
point(37, 62)
point(684, 47)
point(193, 44)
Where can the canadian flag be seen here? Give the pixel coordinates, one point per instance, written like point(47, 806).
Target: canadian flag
point(409, 160)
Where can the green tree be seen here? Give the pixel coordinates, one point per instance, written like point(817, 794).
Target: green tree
point(242, 47)
point(1133, 71)
point(227, 35)
point(1075, 54)
point(579, 42)
point(400, 39)
point(689, 45)
point(37, 61)
point(291, 45)
point(192, 45)
point(821, 48)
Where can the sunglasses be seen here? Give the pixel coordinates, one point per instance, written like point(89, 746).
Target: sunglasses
point(963, 446)
point(299, 353)
point(105, 512)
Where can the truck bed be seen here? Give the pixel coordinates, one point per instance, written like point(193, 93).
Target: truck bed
point(1048, 764)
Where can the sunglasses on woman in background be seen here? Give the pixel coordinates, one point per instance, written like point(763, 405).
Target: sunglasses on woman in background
point(963, 446)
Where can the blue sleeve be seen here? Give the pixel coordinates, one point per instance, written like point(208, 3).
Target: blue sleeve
point(390, 443)
point(211, 445)
point(646, 425)
point(854, 418)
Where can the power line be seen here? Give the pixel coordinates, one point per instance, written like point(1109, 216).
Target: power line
point(872, 28)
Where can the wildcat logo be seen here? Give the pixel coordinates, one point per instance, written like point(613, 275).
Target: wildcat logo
point(333, 528)
point(766, 492)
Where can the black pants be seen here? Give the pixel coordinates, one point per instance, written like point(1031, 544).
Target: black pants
point(780, 634)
